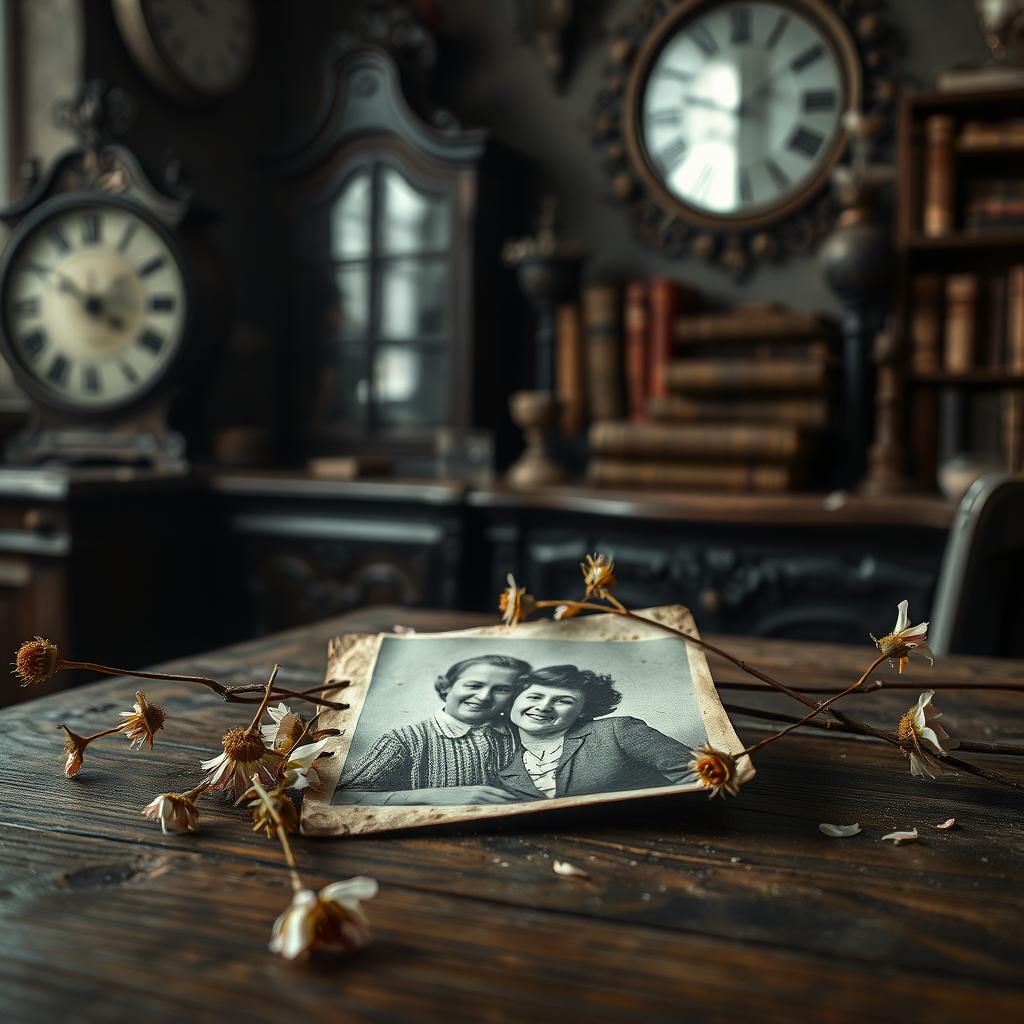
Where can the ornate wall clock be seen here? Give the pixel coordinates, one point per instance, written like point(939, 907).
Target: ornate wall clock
point(722, 119)
point(98, 306)
point(190, 49)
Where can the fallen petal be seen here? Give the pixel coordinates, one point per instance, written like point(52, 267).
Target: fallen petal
point(567, 870)
point(838, 831)
point(948, 823)
point(902, 837)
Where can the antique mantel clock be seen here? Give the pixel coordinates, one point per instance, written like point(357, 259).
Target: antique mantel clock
point(722, 119)
point(97, 308)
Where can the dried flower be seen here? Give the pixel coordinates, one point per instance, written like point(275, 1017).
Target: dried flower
point(838, 831)
point(948, 823)
point(271, 809)
point(298, 771)
point(899, 838)
point(566, 611)
point(36, 661)
point(920, 728)
point(245, 754)
point(176, 812)
point(331, 920)
point(142, 722)
point(515, 603)
point(716, 770)
point(287, 730)
point(598, 575)
point(74, 750)
point(904, 640)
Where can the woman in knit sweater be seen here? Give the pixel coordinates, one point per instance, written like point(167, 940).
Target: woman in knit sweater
point(452, 757)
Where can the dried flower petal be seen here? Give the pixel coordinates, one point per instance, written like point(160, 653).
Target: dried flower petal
point(176, 812)
point(286, 730)
point(567, 870)
point(566, 611)
point(332, 920)
point(598, 575)
point(716, 770)
point(838, 831)
point(948, 823)
point(298, 771)
point(403, 630)
point(142, 722)
point(36, 661)
point(902, 837)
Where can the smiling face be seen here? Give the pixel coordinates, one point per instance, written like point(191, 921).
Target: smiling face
point(547, 710)
point(481, 693)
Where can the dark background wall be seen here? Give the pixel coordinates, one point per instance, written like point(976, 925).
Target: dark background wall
point(488, 76)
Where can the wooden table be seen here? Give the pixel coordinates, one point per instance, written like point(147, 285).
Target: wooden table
point(695, 910)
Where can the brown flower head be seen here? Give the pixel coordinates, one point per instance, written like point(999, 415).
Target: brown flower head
point(515, 603)
point(142, 722)
point(176, 812)
point(598, 575)
point(272, 810)
point(74, 751)
point(566, 611)
point(331, 920)
point(904, 640)
point(244, 755)
point(36, 661)
point(286, 730)
point(716, 770)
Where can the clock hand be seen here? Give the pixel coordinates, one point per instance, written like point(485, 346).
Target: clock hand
point(701, 101)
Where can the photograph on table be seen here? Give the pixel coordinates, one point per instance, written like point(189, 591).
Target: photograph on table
point(495, 721)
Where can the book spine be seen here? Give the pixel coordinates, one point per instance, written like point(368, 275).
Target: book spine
point(696, 440)
point(571, 370)
point(635, 322)
point(663, 296)
point(719, 327)
point(741, 478)
point(938, 176)
point(1015, 320)
point(742, 375)
point(961, 312)
point(925, 323)
point(800, 412)
point(602, 331)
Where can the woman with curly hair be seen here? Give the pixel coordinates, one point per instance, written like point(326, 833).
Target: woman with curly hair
point(566, 748)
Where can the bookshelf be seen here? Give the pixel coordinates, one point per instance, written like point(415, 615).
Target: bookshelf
point(960, 281)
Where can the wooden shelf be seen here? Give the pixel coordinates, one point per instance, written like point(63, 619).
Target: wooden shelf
point(1012, 238)
point(973, 379)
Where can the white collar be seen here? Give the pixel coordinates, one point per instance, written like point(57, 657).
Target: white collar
point(548, 746)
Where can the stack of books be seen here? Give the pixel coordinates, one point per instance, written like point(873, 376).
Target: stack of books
point(738, 403)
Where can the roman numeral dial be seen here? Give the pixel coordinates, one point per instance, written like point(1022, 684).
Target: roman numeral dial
point(739, 110)
point(93, 302)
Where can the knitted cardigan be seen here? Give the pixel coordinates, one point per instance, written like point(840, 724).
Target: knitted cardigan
point(418, 757)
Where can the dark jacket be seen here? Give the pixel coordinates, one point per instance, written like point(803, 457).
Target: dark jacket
point(606, 755)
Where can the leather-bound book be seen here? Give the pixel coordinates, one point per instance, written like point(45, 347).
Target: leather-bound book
point(602, 334)
point(700, 476)
point(996, 322)
point(800, 412)
point(961, 315)
point(937, 213)
point(569, 355)
point(926, 323)
point(752, 323)
point(738, 375)
point(667, 299)
point(696, 440)
point(1015, 320)
point(636, 340)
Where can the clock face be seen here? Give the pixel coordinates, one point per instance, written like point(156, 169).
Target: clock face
point(94, 304)
point(740, 111)
point(205, 46)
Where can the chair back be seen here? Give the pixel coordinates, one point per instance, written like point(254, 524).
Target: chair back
point(978, 602)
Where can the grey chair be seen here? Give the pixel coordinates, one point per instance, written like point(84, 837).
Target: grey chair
point(979, 608)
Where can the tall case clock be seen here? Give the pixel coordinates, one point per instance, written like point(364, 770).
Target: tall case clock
point(100, 310)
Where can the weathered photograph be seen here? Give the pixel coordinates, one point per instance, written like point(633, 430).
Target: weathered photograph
point(518, 720)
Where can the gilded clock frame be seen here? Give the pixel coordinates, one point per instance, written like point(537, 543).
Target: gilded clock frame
point(855, 33)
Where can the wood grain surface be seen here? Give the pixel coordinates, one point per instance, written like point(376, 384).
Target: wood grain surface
point(694, 909)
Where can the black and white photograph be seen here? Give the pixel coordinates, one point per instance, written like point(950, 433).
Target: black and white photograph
point(518, 720)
